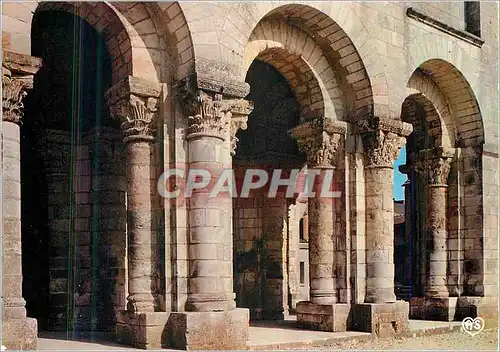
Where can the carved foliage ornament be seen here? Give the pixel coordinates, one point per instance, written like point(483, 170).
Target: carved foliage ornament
point(239, 116)
point(135, 102)
point(14, 89)
point(436, 169)
point(139, 115)
point(381, 148)
point(320, 151)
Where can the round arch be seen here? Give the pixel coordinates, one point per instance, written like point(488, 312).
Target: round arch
point(447, 65)
point(124, 39)
point(309, 74)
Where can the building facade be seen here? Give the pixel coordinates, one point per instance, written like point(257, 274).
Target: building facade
point(99, 99)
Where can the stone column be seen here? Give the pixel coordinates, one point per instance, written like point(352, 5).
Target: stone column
point(382, 139)
point(135, 102)
point(18, 331)
point(211, 319)
point(434, 164)
point(319, 140)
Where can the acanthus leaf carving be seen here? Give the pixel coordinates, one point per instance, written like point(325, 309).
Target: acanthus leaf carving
point(381, 148)
point(435, 164)
point(320, 151)
point(319, 140)
point(14, 89)
point(135, 103)
point(240, 110)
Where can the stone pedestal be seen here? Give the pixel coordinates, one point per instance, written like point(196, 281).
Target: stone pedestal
point(20, 334)
point(142, 330)
point(433, 308)
point(18, 331)
point(227, 330)
point(324, 317)
point(382, 319)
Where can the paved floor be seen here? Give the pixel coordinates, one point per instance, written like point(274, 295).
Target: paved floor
point(263, 334)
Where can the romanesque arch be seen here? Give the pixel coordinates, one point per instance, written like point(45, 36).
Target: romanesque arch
point(445, 171)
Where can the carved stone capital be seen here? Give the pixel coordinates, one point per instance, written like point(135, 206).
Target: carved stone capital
point(382, 139)
point(135, 102)
point(18, 71)
point(208, 116)
point(319, 140)
point(240, 110)
point(435, 164)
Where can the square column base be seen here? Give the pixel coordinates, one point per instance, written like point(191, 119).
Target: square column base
point(382, 319)
point(141, 330)
point(323, 317)
point(483, 307)
point(228, 330)
point(20, 334)
point(433, 308)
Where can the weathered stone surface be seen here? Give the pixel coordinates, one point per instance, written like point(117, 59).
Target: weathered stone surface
point(19, 334)
point(142, 330)
point(434, 308)
point(382, 319)
point(208, 330)
point(333, 317)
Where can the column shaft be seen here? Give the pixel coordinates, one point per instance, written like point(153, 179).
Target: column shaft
point(379, 235)
point(437, 242)
point(321, 246)
point(141, 237)
point(14, 304)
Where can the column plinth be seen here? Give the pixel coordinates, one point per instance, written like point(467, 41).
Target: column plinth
point(18, 331)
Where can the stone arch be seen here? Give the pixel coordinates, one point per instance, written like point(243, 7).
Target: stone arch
point(442, 77)
point(416, 105)
point(332, 25)
point(126, 34)
point(426, 93)
point(448, 66)
point(176, 29)
point(309, 73)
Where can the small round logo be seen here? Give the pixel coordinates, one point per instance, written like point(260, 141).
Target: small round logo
point(473, 326)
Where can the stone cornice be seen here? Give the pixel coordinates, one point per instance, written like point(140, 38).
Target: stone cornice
point(432, 22)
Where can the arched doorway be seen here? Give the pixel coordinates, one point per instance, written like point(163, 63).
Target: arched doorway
point(73, 206)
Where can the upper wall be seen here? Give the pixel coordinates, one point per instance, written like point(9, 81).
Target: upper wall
point(380, 32)
point(390, 44)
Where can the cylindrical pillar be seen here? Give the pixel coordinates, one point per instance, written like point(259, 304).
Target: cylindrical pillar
point(210, 282)
point(379, 234)
point(141, 237)
point(382, 139)
point(14, 304)
point(135, 102)
point(18, 331)
point(321, 246)
point(437, 241)
point(435, 164)
point(319, 140)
